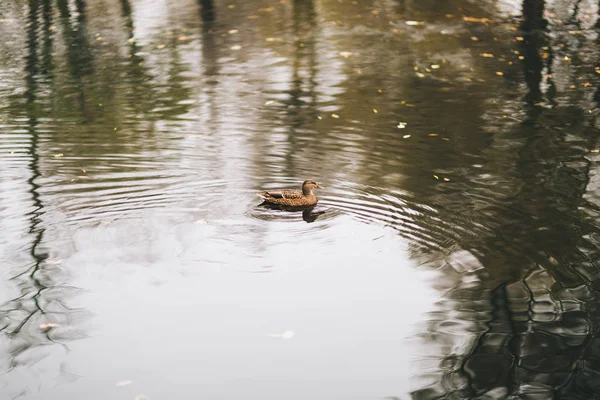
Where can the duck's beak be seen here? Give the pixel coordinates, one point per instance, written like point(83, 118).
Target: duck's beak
point(320, 187)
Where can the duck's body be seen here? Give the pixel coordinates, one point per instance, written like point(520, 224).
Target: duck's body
point(293, 197)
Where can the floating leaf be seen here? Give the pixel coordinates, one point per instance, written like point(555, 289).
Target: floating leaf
point(334, 116)
point(402, 125)
point(474, 38)
point(285, 335)
point(519, 39)
point(414, 23)
point(232, 31)
point(435, 66)
point(478, 20)
point(182, 38)
point(486, 55)
point(236, 47)
point(269, 102)
point(345, 54)
point(446, 179)
point(586, 84)
point(499, 73)
point(420, 75)
point(270, 39)
point(595, 151)
point(436, 177)
point(375, 110)
point(433, 135)
point(58, 155)
point(405, 136)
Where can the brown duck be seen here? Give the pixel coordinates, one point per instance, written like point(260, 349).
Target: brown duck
point(293, 197)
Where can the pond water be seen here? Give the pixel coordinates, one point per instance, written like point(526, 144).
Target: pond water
point(455, 250)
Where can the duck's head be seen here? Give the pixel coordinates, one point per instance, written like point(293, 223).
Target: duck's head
point(308, 186)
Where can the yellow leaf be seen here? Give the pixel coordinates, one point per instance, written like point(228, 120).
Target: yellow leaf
point(58, 155)
point(420, 75)
point(486, 55)
point(446, 179)
point(345, 54)
point(436, 177)
point(500, 73)
point(519, 39)
point(375, 110)
point(433, 135)
point(474, 38)
point(478, 20)
point(232, 31)
point(334, 116)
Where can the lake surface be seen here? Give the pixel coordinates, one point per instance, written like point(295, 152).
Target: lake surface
point(455, 252)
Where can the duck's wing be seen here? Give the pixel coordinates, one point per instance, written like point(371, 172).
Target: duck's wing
point(282, 194)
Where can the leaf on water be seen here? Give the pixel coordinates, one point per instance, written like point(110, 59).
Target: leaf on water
point(435, 66)
point(334, 116)
point(285, 335)
point(49, 325)
point(477, 20)
point(182, 38)
point(252, 17)
point(409, 105)
point(379, 91)
point(521, 57)
point(597, 69)
point(236, 47)
point(519, 38)
point(414, 23)
point(160, 46)
point(232, 31)
point(586, 84)
point(270, 39)
point(231, 6)
point(319, 117)
point(402, 125)
point(474, 38)
point(433, 135)
point(123, 383)
point(446, 179)
point(595, 151)
point(345, 54)
point(375, 110)
point(405, 136)
point(449, 15)
point(436, 177)
point(499, 73)
point(269, 102)
point(486, 55)
point(268, 9)
point(58, 155)
point(572, 87)
point(420, 75)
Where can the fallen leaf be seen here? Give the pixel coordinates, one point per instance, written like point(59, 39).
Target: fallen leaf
point(334, 116)
point(433, 135)
point(236, 47)
point(435, 66)
point(269, 102)
point(474, 38)
point(402, 125)
point(521, 57)
point(486, 55)
point(268, 9)
point(414, 23)
point(285, 335)
point(595, 151)
point(499, 73)
point(182, 38)
point(58, 155)
point(405, 136)
point(478, 20)
point(123, 383)
point(420, 75)
point(232, 31)
point(436, 177)
point(519, 39)
point(446, 179)
point(231, 6)
point(345, 54)
point(586, 84)
point(270, 39)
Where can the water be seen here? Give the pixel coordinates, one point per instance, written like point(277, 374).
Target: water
point(454, 253)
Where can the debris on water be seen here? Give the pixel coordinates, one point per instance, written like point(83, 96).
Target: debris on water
point(486, 55)
point(414, 23)
point(405, 136)
point(402, 125)
point(49, 325)
point(499, 73)
point(236, 47)
point(334, 116)
point(285, 335)
point(58, 155)
point(375, 111)
point(345, 54)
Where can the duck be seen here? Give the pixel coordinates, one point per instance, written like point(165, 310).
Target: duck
point(292, 197)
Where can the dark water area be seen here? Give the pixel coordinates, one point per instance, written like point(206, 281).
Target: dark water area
point(454, 254)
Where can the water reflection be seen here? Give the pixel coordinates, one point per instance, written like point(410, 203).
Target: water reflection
point(451, 138)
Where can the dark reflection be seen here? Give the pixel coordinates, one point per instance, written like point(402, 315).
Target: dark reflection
point(308, 213)
point(38, 317)
point(533, 27)
point(301, 106)
point(533, 308)
point(79, 54)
